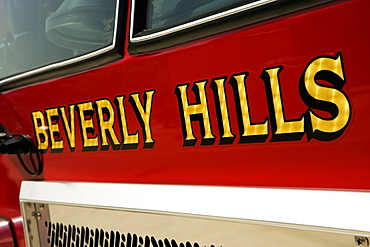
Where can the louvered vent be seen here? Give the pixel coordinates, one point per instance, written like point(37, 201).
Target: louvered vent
point(60, 235)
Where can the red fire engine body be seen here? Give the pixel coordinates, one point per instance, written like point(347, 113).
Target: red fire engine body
point(274, 105)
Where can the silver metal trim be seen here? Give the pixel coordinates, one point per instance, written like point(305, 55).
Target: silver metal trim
point(69, 61)
point(68, 223)
point(192, 23)
point(316, 208)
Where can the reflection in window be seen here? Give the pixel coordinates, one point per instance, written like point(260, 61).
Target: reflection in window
point(165, 13)
point(42, 32)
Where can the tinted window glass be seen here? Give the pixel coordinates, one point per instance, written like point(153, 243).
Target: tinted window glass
point(42, 32)
point(164, 13)
point(161, 24)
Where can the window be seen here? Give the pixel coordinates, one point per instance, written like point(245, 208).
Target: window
point(40, 35)
point(165, 13)
point(159, 24)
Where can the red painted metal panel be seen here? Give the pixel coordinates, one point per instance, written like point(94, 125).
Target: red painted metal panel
point(291, 42)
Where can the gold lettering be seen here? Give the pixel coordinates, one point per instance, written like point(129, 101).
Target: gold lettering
point(144, 114)
point(249, 128)
point(200, 108)
point(106, 126)
point(69, 126)
point(87, 126)
point(226, 129)
point(282, 126)
point(54, 128)
point(342, 112)
point(127, 138)
point(40, 130)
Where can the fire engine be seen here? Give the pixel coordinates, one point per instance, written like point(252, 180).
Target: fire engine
point(183, 123)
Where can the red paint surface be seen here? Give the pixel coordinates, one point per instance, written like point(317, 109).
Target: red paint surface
point(291, 41)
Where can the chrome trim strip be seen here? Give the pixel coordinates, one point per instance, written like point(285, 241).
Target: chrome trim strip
point(192, 23)
point(69, 61)
point(318, 208)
